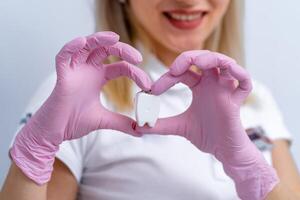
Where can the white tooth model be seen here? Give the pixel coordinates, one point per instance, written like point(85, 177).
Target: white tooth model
point(146, 108)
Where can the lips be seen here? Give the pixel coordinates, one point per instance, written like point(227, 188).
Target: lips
point(183, 19)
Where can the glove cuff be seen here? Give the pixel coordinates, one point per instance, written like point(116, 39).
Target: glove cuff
point(253, 182)
point(258, 186)
point(35, 160)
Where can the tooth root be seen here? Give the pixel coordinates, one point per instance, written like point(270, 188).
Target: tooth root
point(151, 124)
point(141, 123)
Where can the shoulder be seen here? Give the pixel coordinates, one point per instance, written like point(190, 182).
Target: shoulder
point(260, 89)
point(264, 111)
point(261, 97)
point(259, 86)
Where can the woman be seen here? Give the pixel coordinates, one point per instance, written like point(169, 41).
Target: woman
point(176, 158)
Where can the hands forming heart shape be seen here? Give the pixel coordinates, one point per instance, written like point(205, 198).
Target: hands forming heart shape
point(73, 108)
point(212, 122)
point(81, 75)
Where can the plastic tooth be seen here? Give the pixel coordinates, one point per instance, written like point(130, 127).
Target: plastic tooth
point(151, 124)
point(141, 124)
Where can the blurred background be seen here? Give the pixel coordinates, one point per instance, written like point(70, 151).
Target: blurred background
point(32, 32)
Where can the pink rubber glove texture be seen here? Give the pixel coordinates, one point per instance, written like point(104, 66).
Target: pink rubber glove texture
point(73, 109)
point(212, 122)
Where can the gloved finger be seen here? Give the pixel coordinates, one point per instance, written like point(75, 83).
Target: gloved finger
point(224, 73)
point(63, 58)
point(167, 81)
point(96, 40)
point(239, 73)
point(125, 52)
point(115, 121)
point(244, 82)
point(175, 125)
point(119, 49)
point(104, 38)
point(123, 68)
point(186, 59)
point(212, 72)
point(226, 79)
point(205, 60)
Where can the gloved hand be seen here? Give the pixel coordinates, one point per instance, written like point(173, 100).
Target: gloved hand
point(212, 122)
point(73, 109)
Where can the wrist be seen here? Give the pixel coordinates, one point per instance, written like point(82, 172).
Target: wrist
point(254, 178)
point(34, 157)
point(256, 186)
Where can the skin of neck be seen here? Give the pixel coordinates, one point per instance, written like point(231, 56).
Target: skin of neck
point(163, 53)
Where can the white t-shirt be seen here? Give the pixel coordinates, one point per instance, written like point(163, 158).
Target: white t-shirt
point(112, 165)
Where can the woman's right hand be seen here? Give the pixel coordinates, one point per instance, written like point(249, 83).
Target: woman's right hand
point(73, 109)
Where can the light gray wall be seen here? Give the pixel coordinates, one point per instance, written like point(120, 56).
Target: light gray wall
point(273, 53)
point(33, 31)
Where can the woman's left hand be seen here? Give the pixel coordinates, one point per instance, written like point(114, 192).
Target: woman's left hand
point(212, 122)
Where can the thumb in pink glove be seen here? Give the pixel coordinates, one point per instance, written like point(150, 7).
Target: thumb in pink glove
point(212, 122)
point(73, 109)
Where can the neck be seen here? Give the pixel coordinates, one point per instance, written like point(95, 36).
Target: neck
point(165, 55)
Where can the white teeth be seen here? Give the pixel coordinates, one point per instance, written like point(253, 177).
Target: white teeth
point(184, 17)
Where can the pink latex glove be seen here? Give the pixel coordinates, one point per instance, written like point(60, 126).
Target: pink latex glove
point(212, 122)
point(73, 109)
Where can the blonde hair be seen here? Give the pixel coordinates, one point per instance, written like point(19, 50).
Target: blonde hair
point(113, 15)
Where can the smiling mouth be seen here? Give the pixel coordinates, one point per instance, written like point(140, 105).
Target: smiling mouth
point(182, 19)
